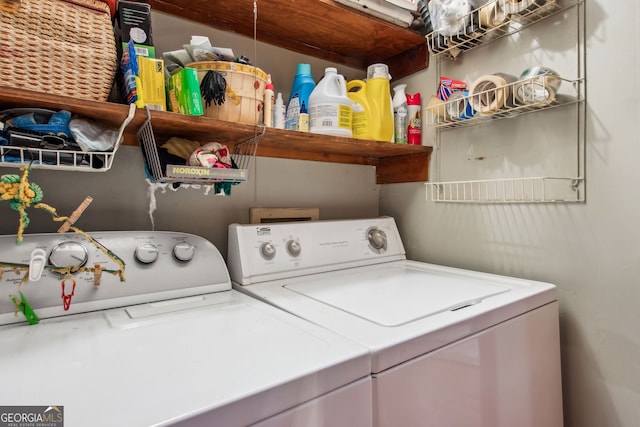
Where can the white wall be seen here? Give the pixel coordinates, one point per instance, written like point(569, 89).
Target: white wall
point(590, 251)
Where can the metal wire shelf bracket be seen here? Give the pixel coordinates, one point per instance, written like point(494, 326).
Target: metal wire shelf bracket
point(510, 190)
point(450, 114)
point(243, 153)
point(67, 160)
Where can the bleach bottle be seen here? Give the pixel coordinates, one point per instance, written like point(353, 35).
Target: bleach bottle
point(303, 85)
point(329, 107)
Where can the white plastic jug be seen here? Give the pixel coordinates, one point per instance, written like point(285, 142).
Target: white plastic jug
point(329, 107)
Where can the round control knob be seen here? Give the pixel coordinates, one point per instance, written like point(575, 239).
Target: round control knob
point(268, 250)
point(294, 248)
point(146, 253)
point(377, 238)
point(184, 251)
point(68, 254)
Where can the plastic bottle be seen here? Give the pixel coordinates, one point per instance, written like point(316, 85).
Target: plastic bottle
point(303, 85)
point(278, 112)
point(329, 107)
point(400, 112)
point(379, 96)
point(414, 129)
point(268, 102)
point(360, 115)
point(303, 119)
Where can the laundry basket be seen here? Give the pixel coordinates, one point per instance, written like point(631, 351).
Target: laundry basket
point(62, 47)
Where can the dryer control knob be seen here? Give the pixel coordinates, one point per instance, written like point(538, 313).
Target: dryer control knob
point(377, 238)
point(268, 250)
point(68, 254)
point(146, 253)
point(184, 251)
point(294, 248)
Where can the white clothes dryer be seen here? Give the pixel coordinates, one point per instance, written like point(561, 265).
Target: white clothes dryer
point(449, 347)
point(172, 344)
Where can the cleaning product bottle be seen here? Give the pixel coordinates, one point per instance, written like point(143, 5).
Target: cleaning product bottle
point(303, 119)
point(360, 116)
point(414, 129)
point(303, 85)
point(278, 112)
point(329, 106)
point(268, 103)
point(400, 114)
point(379, 97)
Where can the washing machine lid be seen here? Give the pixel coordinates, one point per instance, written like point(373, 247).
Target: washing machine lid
point(215, 359)
point(397, 294)
point(404, 309)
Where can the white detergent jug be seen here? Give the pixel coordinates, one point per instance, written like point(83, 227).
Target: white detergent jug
point(329, 106)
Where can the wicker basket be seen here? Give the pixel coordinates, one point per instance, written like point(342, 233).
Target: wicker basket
point(63, 47)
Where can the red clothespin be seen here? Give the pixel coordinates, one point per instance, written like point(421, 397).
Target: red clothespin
point(66, 299)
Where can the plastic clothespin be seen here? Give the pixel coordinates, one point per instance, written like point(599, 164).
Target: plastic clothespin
point(25, 308)
point(66, 298)
point(36, 264)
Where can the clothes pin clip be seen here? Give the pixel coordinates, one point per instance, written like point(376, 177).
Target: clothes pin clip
point(97, 274)
point(66, 299)
point(24, 306)
point(75, 215)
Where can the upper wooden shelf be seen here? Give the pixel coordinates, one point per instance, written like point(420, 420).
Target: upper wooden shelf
point(320, 28)
point(394, 163)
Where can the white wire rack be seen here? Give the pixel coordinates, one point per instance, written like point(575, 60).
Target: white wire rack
point(495, 19)
point(242, 154)
point(58, 159)
point(510, 190)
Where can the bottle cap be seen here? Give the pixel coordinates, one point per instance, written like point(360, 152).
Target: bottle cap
point(269, 85)
point(279, 98)
point(413, 99)
point(378, 70)
point(303, 69)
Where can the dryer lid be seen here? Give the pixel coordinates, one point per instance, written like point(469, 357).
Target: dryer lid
point(398, 293)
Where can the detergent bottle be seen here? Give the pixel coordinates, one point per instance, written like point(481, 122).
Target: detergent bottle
point(329, 106)
point(378, 92)
point(303, 85)
point(361, 111)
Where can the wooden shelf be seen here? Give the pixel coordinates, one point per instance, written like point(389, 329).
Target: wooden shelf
point(320, 28)
point(394, 163)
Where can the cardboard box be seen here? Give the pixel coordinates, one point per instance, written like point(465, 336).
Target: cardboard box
point(133, 22)
point(152, 88)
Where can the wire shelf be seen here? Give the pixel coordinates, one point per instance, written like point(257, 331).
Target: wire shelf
point(59, 159)
point(509, 190)
point(242, 154)
point(494, 20)
point(502, 101)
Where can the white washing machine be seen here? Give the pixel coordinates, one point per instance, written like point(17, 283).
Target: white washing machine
point(449, 347)
point(173, 344)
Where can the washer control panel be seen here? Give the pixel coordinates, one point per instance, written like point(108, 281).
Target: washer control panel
point(60, 273)
point(265, 251)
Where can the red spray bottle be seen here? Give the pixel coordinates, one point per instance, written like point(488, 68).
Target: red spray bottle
point(414, 128)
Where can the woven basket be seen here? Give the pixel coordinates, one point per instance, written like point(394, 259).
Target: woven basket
point(62, 47)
